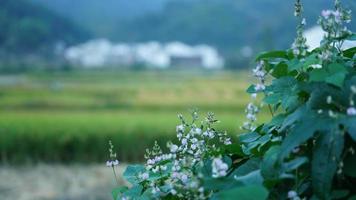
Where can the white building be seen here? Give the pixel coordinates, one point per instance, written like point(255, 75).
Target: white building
point(315, 34)
point(103, 53)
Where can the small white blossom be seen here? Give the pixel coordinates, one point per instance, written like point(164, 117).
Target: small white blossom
point(174, 148)
point(112, 163)
point(353, 89)
point(292, 194)
point(143, 176)
point(219, 168)
point(155, 190)
point(260, 87)
point(329, 100)
point(180, 128)
point(254, 95)
point(173, 191)
point(351, 111)
point(184, 141)
point(316, 66)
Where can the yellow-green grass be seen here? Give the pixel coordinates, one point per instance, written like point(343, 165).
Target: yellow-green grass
point(71, 116)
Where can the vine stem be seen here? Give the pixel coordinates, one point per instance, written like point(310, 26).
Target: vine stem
point(113, 169)
point(270, 110)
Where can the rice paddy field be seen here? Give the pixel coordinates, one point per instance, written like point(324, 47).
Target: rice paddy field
point(71, 116)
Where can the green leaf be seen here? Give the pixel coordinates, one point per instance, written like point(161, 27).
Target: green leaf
point(280, 70)
point(273, 54)
point(318, 75)
point(339, 194)
point(132, 172)
point(352, 198)
point(334, 74)
point(269, 167)
point(350, 126)
point(326, 156)
point(296, 64)
point(336, 79)
point(350, 165)
point(249, 137)
point(294, 164)
point(252, 178)
point(285, 91)
point(251, 89)
point(134, 192)
point(349, 53)
point(251, 192)
point(308, 124)
point(250, 165)
point(117, 191)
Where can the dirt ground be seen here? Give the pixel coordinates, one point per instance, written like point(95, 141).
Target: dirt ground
point(57, 182)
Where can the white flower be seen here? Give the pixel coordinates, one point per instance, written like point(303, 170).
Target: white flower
point(194, 140)
point(326, 13)
point(156, 169)
point(351, 111)
point(251, 117)
point(292, 194)
point(227, 141)
point(144, 176)
point(329, 100)
point(150, 162)
point(180, 128)
point(173, 191)
point(353, 89)
point(211, 134)
point(174, 148)
point(184, 141)
point(260, 87)
point(254, 95)
point(155, 190)
point(198, 131)
point(316, 66)
point(304, 21)
point(112, 163)
point(219, 168)
point(184, 178)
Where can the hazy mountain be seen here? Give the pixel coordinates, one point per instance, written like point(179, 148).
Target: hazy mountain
point(227, 24)
point(102, 16)
point(26, 27)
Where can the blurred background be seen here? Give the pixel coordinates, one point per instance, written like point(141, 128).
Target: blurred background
point(76, 74)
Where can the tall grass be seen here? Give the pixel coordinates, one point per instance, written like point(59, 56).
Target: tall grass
point(71, 116)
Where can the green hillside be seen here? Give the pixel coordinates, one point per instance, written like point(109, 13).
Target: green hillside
point(29, 28)
point(227, 24)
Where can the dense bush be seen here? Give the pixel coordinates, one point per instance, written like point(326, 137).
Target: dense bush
point(306, 151)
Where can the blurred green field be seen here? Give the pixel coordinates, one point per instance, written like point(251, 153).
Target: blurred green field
point(71, 116)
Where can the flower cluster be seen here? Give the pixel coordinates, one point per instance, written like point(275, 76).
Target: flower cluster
point(260, 74)
point(332, 22)
point(251, 109)
point(251, 116)
point(299, 46)
point(219, 168)
point(175, 171)
point(112, 160)
point(293, 195)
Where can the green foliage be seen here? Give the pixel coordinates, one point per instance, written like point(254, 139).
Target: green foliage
point(30, 28)
point(306, 151)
